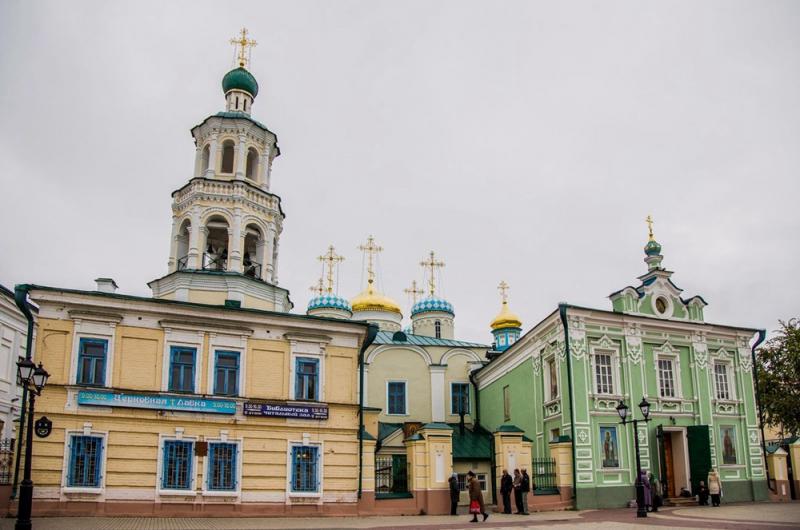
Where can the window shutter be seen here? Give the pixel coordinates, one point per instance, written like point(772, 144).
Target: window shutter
point(71, 463)
point(234, 469)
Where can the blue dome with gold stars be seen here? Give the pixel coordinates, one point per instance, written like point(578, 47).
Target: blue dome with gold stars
point(432, 303)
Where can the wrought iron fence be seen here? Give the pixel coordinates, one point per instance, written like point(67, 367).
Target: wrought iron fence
point(213, 262)
point(183, 263)
point(544, 476)
point(391, 475)
point(252, 269)
point(6, 460)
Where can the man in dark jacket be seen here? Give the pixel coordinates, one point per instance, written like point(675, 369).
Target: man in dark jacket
point(506, 487)
point(526, 488)
point(455, 493)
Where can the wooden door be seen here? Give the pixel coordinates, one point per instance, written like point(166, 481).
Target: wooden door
point(670, 466)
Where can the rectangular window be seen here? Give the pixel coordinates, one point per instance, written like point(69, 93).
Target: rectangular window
point(721, 379)
point(85, 460)
point(181, 369)
point(602, 373)
point(552, 374)
point(506, 403)
point(226, 373)
point(222, 466)
point(396, 397)
point(459, 398)
point(666, 378)
point(92, 362)
point(305, 469)
point(177, 466)
point(555, 435)
point(306, 383)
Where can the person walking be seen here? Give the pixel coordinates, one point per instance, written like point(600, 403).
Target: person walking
point(714, 487)
point(518, 492)
point(526, 488)
point(648, 501)
point(476, 505)
point(702, 494)
point(455, 493)
point(655, 491)
point(506, 487)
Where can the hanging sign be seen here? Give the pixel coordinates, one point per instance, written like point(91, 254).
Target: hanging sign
point(43, 427)
point(144, 401)
point(282, 410)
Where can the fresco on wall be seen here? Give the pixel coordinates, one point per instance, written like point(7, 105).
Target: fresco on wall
point(609, 446)
point(728, 436)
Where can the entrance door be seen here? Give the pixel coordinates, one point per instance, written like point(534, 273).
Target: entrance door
point(699, 454)
point(669, 465)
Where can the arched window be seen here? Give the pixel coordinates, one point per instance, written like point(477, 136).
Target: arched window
point(237, 102)
point(205, 157)
point(252, 164)
point(437, 326)
point(227, 157)
point(245, 104)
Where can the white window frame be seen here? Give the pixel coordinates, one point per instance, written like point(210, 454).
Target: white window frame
point(405, 395)
point(311, 350)
point(88, 329)
point(207, 464)
point(730, 373)
point(86, 431)
point(548, 396)
point(667, 352)
point(469, 398)
point(162, 438)
point(606, 348)
point(219, 342)
point(183, 339)
point(305, 442)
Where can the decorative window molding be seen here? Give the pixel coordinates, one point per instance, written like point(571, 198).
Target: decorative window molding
point(183, 339)
point(298, 481)
point(164, 442)
point(668, 361)
point(308, 349)
point(724, 376)
point(217, 448)
point(393, 385)
point(83, 328)
point(91, 470)
point(605, 365)
point(551, 382)
point(219, 342)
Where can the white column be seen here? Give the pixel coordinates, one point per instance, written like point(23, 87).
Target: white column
point(198, 159)
point(212, 157)
point(437, 392)
point(259, 258)
point(263, 169)
point(172, 264)
point(241, 158)
point(269, 266)
point(275, 260)
point(364, 388)
point(235, 243)
point(195, 243)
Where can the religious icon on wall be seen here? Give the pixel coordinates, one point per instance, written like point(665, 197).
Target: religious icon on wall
point(609, 446)
point(728, 436)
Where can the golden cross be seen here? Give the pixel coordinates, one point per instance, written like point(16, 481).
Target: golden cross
point(331, 259)
point(318, 288)
point(243, 43)
point(503, 288)
point(414, 292)
point(649, 222)
point(371, 250)
point(432, 264)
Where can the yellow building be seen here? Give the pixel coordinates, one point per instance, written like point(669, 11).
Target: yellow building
point(209, 397)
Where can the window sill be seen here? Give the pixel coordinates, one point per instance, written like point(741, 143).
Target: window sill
point(77, 490)
point(212, 493)
point(177, 493)
point(383, 496)
point(305, 494)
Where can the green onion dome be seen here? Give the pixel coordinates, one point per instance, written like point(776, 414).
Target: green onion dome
point(240, 79)
point(652, 248)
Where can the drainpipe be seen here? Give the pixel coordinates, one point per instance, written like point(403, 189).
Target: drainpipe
point(21, 299)
point(562, 311)
point(476, 417)
point(372, 332)
point(762, 333)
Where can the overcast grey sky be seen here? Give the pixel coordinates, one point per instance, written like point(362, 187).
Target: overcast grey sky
point(524, 141)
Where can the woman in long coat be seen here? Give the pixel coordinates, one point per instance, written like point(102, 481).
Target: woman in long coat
point(475, 494)
point(714, 487)
point(648, 501)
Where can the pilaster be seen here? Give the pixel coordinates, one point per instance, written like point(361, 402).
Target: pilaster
point(212, 157)
point(437, 373)
point(241, 157)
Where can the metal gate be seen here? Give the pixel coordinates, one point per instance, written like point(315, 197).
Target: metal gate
point(391, 475)
point(544, 476)
point(6, 460)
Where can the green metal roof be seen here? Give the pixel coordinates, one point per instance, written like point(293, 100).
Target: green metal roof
point(508, 428)
point(240, 79)
point(385, 337)
point(387, 429)
point(474, 444)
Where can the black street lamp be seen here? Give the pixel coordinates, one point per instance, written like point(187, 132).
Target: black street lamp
point(35, 376)
point(622, 410)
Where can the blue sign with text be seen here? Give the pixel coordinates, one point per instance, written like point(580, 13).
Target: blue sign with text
point(143, 401)
point(279, 410)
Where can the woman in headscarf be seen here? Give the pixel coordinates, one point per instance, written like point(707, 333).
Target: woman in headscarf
point(455, 493)
point(475, 498)
point(714, 487)
point(647, 494)
point(655, 491)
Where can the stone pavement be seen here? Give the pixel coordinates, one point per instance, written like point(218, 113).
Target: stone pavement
point(760, 516)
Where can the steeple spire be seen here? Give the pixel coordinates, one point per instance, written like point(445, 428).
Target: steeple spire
point(506, 326)
point(652, 249)
point(431, 264)
point(244, 46)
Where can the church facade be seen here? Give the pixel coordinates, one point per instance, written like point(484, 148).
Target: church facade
point(562, 381)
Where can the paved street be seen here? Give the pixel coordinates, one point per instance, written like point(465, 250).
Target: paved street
point(764, 516)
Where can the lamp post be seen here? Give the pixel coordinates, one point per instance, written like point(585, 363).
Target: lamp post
point(622, 410)
point(36, 377)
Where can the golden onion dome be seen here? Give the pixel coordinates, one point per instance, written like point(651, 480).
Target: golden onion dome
point(371, 300)
point(506, 319)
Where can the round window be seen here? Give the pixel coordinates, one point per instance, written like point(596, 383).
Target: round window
point(661, 305)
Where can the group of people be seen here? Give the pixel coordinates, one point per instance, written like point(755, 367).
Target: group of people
point(714, 489)
point(654, 497)
point(520, 485)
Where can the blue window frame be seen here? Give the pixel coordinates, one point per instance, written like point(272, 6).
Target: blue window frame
point(177, 465)
point(181, 369)
point(396, 397)
point(92, 361)
point(226, 373)
point(306, 383)
point(85, 461)
point(222, 466)
point(459, 397)
point(305, 468)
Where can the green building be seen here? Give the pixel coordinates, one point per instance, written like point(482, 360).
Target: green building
point(562, 380)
